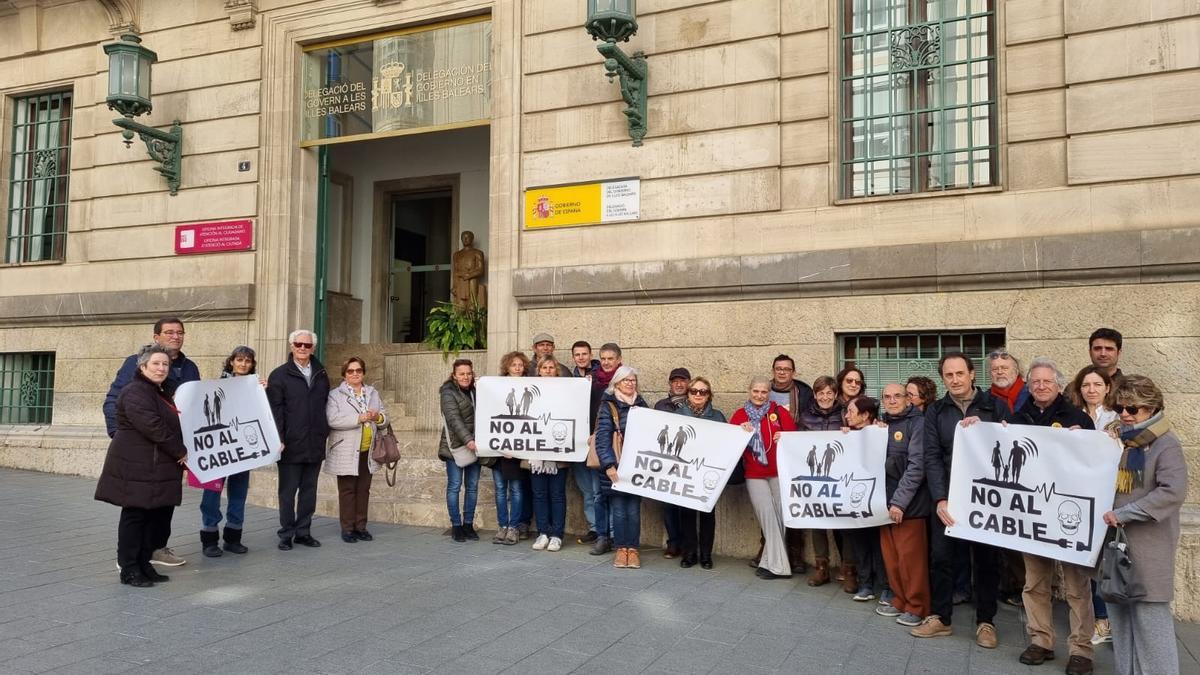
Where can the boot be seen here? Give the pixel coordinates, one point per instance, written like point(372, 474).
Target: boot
point(762, 545)
point(233, 540)
point(795, 551)
point(820, 575)
point(210, 541)
point(849, 578)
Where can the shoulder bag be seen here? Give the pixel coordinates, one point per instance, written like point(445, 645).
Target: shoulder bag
point(463, 456)
point(593, 459)
point(1117, 583)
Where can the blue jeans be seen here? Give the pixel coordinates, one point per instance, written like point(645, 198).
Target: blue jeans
point(526, 508)
point(508, 499)
point(588, 483)
point(1098, 607)
point(237, 486)
point(671, 523)
point(550, 502)
point(454, 481)
point(626, 516)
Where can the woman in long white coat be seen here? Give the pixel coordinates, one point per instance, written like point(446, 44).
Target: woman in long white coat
point(356, 415)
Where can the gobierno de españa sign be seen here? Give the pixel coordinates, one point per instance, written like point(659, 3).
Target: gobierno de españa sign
point(596, 203)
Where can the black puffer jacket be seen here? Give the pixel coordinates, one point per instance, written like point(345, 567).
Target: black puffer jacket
point(299, 411)
point(1060, 413)
point(940, 419)
point(905, 463)
point(815, 419)
point(458, 408)
point(141, 469)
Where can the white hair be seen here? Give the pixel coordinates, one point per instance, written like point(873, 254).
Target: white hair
point(760, 379)
point(622, 373)
point(1043, 362)
point(294, 335)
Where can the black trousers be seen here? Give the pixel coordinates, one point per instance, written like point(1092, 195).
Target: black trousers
point(140, 532)
point(986, 584)
point(688, 521)
point(868, 556)
point(297, 498)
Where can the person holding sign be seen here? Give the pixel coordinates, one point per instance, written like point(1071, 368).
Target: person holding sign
point(698, 404)
point(824, 413)
point(1047, 407)
point(456, 398)
point(240, 363)
point(506, 472)
point(626, 509)
point(964, 404)
point(146, 486)
point(904, 543)
point(548, 480)
point(356, 415)
point(861, 412)
point(765, 419)
point(1152, 484)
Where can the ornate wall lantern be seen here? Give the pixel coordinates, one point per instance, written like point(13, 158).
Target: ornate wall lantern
point(129, 94)
point(611, 21)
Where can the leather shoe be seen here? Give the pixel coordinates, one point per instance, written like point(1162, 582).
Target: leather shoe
point(1036, 656)
point(1079, 665)
point(688, 560)
point(363, 535)
point(308, 541)
point(152, 574)
point(285, 544)
point(706, 562)
point(350, 537)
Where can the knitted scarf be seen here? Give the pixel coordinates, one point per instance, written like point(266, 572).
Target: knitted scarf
point(1136, 439)
point(1011, 394)
point(756, 415)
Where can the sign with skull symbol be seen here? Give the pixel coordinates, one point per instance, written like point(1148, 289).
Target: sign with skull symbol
point(1039, 490)
point(832, 480)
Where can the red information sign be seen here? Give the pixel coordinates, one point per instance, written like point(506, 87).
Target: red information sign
point(228, 235)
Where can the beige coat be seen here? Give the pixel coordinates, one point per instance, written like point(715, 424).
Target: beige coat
point(345, 431)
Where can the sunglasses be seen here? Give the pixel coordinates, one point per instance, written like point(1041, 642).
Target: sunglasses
point(699, 392)
point(302, 345)
point(353, 370)
point(1128, 409)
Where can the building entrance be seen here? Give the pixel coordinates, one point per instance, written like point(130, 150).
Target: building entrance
point(420, 266)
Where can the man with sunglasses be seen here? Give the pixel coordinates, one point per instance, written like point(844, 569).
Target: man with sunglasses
point(298, 391)
point(168, 333)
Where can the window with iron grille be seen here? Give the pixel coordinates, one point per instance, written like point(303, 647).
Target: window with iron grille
point(41, 161)
point(26, 387)
point(918, 96)
point(895, 357)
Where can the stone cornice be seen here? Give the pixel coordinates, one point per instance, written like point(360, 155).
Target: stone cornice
point(190, 304)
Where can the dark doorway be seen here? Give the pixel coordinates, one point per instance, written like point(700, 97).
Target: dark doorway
point(422, 245)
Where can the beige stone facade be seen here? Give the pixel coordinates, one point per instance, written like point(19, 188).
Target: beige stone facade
point(744, 247)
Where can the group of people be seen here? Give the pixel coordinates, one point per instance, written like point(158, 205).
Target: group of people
point(319, 427)
point(917, 572)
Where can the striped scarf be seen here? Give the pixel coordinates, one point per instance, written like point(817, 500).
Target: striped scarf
point(1136, 439)
point(756, 413)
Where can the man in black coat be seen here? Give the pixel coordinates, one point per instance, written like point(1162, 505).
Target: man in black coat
point(964, 404)
point(298, 391)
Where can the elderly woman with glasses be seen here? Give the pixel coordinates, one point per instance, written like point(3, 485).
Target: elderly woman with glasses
point(626, 509)
point(698, 404)
point(356, 416)
point(1152, 484)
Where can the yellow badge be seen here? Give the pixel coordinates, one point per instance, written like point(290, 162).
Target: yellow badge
point(899, 435)
point(773, 417)
point(1056, 425)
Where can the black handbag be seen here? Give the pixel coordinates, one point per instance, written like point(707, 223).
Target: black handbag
point(738, 475)
point(1117, 579)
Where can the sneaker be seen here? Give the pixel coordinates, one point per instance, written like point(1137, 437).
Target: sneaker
point(931, 627)
point(601, 546)
point(985, 636)
point(864, 594)
point(621, 558)
point(588, 538)
point(555, 545)
point(511, 537)
point(633, 559)
point(1102, 633)
point(541, 543)
point(908, 619)
point(1035, 655)
point(500, 535)
point(886, 597)
point(165, 556)
point(887, 610)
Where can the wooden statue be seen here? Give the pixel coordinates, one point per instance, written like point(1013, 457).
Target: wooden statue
point(467, 268)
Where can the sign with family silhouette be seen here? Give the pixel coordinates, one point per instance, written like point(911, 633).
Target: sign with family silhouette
point(532, 417)
point(832, 480)
point(227, 426)
point(678, 459)
point(1039, 490)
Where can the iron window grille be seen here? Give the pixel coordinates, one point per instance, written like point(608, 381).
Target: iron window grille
point(895, 357)
point(26, 388)
point(38, 195)
point(917, 108)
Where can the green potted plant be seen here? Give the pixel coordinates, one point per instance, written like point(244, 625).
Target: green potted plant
point(452, 329)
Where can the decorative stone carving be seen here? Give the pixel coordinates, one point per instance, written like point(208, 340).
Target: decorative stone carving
point(122, 16)
point(467, 268)
point(243, 14)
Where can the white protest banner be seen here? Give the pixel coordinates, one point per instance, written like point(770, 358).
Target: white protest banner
point(1039, 490)
point(227, 426)
point(678, 459)
point(532, 417)
point(831, 480)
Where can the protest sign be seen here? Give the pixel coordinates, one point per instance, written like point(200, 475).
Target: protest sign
point(831, 480)
point(1039, 490)
point(532, 417)
point(678, 459)
point(227, 426)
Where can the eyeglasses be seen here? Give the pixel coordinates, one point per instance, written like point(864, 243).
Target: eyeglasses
point(699, 392)
point(353, 370)
point(784, 369)
point(302, 345)
point(851, 380)
point(998, 354)
point(1127, 409)
point(172, 333)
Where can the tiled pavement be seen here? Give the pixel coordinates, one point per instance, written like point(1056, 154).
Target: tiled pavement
point(414, 601)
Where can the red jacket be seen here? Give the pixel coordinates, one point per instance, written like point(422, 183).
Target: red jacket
point(777, 419)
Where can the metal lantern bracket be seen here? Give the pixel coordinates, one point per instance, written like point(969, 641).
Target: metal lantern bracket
point(164, 147)
point(632, 72)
